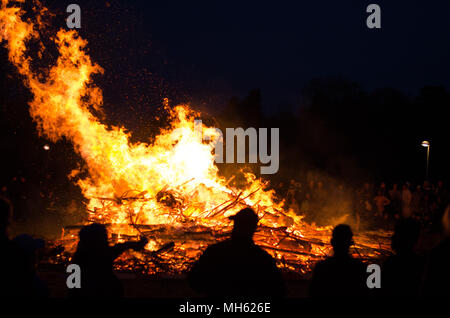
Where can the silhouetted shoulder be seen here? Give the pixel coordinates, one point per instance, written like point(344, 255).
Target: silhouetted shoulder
point(219, 247)
point(217, 251)
point(264, 255)
point(437, 278)
point(401, 275)
point(339, 277)
point(337, 263)
point(18, 273)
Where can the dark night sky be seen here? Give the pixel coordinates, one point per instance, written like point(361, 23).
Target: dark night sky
point(218, 49)
point(205, 53)
point(278, 48)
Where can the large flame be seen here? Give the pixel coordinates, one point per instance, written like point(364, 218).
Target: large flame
point(170, 180)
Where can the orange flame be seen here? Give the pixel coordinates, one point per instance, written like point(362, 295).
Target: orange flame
point(171, 179)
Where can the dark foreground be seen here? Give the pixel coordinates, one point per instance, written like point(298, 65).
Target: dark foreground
point(144, 286)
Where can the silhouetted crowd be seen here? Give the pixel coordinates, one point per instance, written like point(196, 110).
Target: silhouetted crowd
point(405, 274)
point(376, 205)
point(237, 267)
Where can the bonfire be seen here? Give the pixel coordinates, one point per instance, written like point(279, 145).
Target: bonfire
point(169, 190)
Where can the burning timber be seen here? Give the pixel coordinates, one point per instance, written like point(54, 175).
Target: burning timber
point(172, 191)
point(175, 248)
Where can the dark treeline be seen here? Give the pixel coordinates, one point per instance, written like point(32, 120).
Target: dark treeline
point(342, 130)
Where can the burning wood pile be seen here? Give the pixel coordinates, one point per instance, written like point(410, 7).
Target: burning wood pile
point(174, 247)
point(168, 190)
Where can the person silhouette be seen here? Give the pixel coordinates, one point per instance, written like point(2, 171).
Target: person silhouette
point(16, 272)
point(340, 275)
point(95, 257)
point(401, 273)
point(237, 267)
point(31, 246)
point(437, 277)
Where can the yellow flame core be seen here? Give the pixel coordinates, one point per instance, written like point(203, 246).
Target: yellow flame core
point(171, 179)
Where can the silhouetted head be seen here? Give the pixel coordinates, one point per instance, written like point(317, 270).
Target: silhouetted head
point(5, 213)
point(406, 235)
point(245, 222)
point(93, 236)
point(342, 239)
